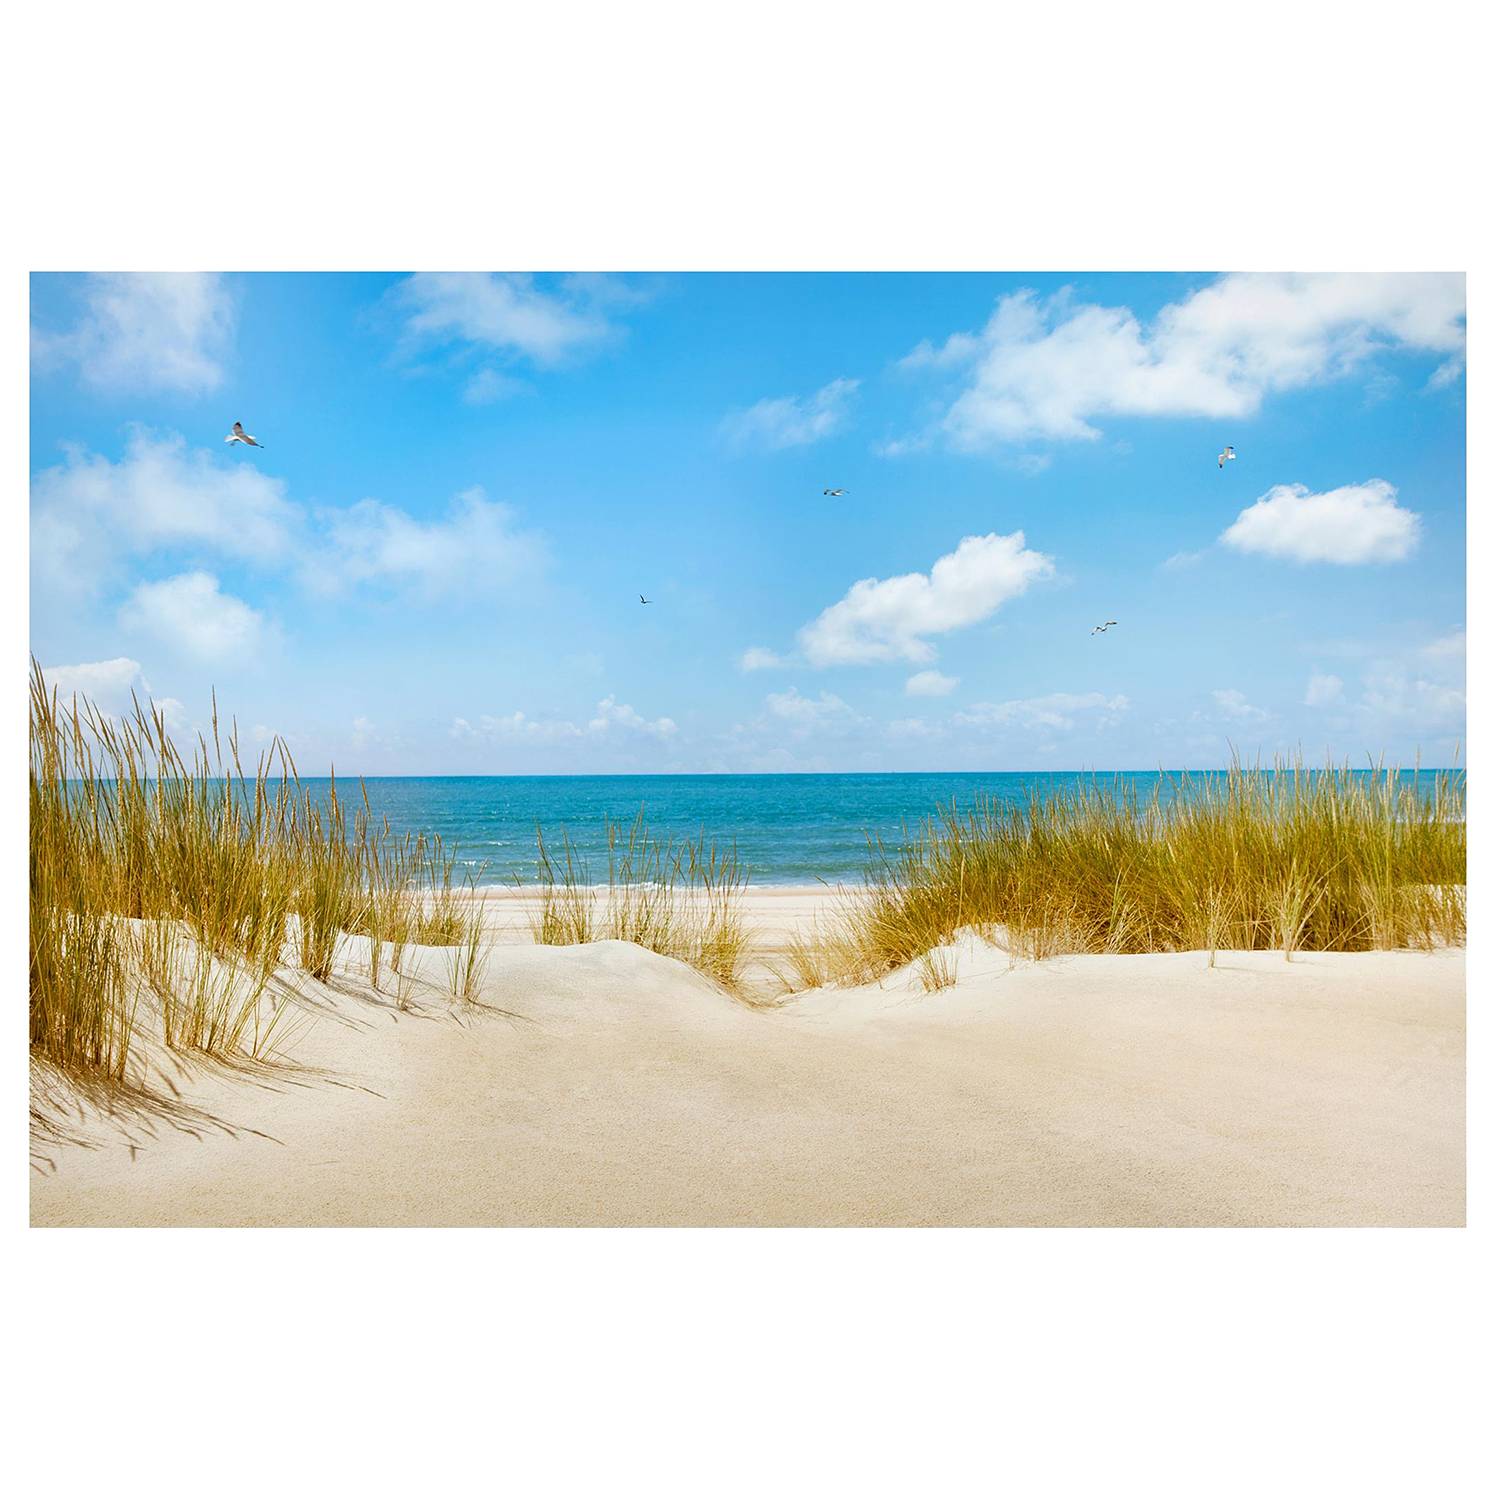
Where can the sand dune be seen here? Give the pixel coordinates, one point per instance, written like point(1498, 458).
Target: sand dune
point(605, 1085)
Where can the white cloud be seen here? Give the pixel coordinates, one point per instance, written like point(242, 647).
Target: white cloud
point(807, 711)
point(1357, 523)
point(372, 542)
point(1180, 560)
point(518, 728)
point(502, 311)
point(1450, 647)
point(112, 686)
point(1051, 368)
point(1052, 711)
point(159, 331)
point(107, 683)
point(88, 513)
point(792, 421)
point(1421, 691)
point(515, 728)
point(930, 685)
point(759, 659)
point(611, 715)
point(189, 613)
point(87, 510)
point(888, 619)
point(1323, 688)
point(914, 729)
point(1233, 704)
point(1446, 373)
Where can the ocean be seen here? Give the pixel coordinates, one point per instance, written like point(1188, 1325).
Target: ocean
point(788, 829)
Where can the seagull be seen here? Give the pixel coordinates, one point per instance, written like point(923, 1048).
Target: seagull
point(834, 493)
point(1100, 629)
point(643, 598)
point(1227, 456)
point(237, 434)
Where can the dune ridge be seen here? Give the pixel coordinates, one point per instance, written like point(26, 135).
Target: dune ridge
point(606, 1085)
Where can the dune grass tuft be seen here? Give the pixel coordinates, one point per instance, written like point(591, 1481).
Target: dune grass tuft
point(1284, 858)
point(186, 882)
point(937, 970)
point(676, 896)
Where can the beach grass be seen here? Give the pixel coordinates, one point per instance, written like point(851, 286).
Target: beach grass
point(678, 896)
point(183, 882)
point(179, 895)
point(1282, 858)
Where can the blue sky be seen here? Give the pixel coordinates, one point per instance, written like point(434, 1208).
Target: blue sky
point(433, 564)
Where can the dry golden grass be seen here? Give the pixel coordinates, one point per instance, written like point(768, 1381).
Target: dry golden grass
point(679, 897)
point(937, 970)
point(184, 882)
point(1283, 858)
point(189, 885)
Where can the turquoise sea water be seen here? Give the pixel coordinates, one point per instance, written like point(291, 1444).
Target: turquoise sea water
point(787, 829)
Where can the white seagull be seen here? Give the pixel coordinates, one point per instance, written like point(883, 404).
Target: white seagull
point(1100, 629)
point(834, 493)
point(1227, 456)
point(643, 598)
point(237, 434)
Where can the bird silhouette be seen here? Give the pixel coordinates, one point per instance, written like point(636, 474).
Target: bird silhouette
point(237, 434)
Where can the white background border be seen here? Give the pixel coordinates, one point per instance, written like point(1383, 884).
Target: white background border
point(651, 136)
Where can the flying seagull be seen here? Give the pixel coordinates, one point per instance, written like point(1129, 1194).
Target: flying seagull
point(834, 493)
point(643, 598)
point(1100, 629)
point(1227, 456)
point(237, 434)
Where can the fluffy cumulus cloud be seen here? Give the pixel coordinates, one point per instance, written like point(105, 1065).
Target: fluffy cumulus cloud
point(611, 715)
point(1323, 688)
point(191, 615)
point(108, 683)
point(1052, 368)
point(168, 331)
point(792, 421)
point(187, 508)
point(1357, 523)
point(114, 687)
point(508, 313)
point(891, 619)
point(87, 512)
point(372, 542)
point(930, 685)
point(1052, 711)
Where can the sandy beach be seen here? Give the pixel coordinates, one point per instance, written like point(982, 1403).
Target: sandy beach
point(606, 1085)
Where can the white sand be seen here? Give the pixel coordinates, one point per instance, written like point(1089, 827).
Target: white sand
point(605, 1085)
